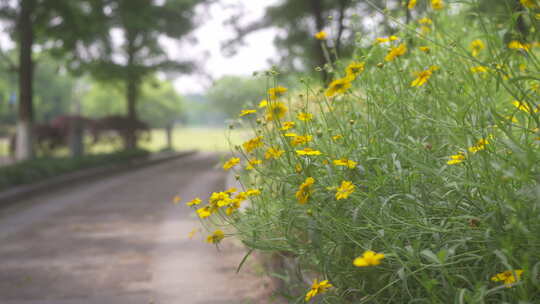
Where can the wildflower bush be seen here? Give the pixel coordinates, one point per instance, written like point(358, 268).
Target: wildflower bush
point(413, 177)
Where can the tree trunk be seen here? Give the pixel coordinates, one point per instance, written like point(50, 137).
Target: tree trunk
point(132, 94)
point(169, 137)
point(76, 138)
point(521, 24)
point(24, 147)
point(317, 11)
point(132, 90)
point(341, 26)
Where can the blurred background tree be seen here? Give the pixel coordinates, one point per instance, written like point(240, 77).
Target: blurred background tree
point(230, 94)
point(56, 26)
point(298, 21)
point(139, 26)
point(159, 104)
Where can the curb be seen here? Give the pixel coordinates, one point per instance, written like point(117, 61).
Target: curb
point(19, 192)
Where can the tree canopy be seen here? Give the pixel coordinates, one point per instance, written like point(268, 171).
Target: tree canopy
point(230, 94)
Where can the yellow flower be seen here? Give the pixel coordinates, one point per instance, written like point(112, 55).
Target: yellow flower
point(247, 112)
point(290, 134)
point(423, 76)
point(479, 69)
point(412, 4)
point(386, 39)
point(512, 119)
point(235, 205)
point(476, 46)
point(304, 191)
point(220, 199)
point(425, 20)
point(338, 86)
point(524, 107)
point(215, 237)
point(233, 161)
point(204, 212)
point(194, 202)
point(516, 45)
point(345, 163)
point(479, 146)
point(528, 3)
point(337, 137)
point(304, 116)
point(346, 189)
point(301, 140)
point(425, 29)
point(287, 125)
point(276, 110)
point(354, 69)
point(424, 49)
point(192, 233)
point(274, 153)
point(321, 35)
point(317, 288)
point(253, 192)
point(252, 163)
point(253, 144)
point(437, 4)
point(368, 258)
point(508, 277)
point(308, 151)
point(277, 92)
point(456, 159)
point(177, 199)
point(396, 52)
point(263, 103)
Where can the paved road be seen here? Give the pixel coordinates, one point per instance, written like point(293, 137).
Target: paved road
point(121, 240)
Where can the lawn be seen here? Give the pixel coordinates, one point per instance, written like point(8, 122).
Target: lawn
point(203, 139)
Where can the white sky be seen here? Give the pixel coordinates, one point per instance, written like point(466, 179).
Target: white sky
point(253, 56)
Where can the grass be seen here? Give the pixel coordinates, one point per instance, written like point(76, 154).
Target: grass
point(39, 169)
point(190, 138)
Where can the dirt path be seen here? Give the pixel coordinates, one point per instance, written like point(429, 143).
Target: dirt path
point(121, 240)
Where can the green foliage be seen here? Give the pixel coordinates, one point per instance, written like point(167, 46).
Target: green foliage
point(141, 24)
point(230, 94)
point(40, 169)
point(54, 89)
point(53, 95)
point(445, 171)
point(159, 106)
point(300, 20)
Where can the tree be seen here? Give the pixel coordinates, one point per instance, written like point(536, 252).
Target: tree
point(300, 20)
point(230, 94)
point(513, 14)
point(160, 105)
point(141, 24)
point(41, 22)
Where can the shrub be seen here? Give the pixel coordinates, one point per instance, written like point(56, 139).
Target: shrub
point(411, 178)
point(39, 169)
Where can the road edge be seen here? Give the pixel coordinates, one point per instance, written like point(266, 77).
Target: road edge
point(17, 193)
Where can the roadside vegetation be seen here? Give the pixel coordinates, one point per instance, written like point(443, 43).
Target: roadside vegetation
point(40, 169)
point(412, 176)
